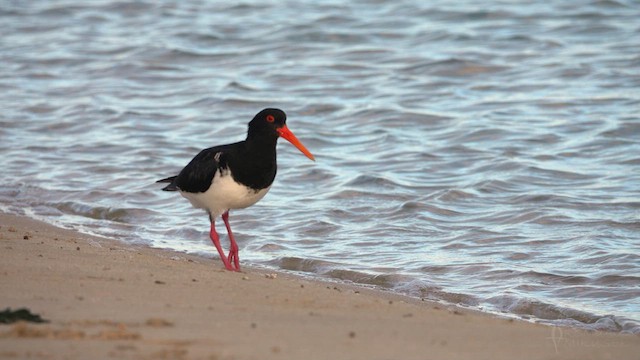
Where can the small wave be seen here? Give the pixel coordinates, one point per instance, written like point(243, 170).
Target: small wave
point(426, 290)
point(454, 195)
point(615, 280)
point(371, 181)
point(237, 85)
point(554, 314)
point(385, 281)
point(548, 278)
point(496, 186)
point(415, 207)
point(121, 215)
point(303, 265)
point(454, 67)
point(536, 198)
point(555, 175)
point(319, 228)
point(201, 39)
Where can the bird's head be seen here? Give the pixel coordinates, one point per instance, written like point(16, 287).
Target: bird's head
point(273, 122)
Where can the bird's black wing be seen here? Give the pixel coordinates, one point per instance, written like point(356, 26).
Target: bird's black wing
point(197, 175)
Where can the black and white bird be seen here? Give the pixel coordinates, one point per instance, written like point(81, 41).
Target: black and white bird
point(235, 176)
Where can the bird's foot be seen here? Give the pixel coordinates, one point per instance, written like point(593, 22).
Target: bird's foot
point(234, 260)
point(227, 264)
point(231, 268)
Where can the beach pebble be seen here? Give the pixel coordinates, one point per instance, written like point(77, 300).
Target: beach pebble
point(271, 276)
point(158, 322)
point(120, 333)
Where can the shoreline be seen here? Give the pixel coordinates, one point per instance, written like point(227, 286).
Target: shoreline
point(115, 300)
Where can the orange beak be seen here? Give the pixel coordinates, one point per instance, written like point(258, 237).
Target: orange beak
point(288, 135)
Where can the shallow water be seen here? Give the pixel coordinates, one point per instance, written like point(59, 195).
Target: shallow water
point(484, 154)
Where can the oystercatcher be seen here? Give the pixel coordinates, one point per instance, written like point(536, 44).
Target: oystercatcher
point(234, 176)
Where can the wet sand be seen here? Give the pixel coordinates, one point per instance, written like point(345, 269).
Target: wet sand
point(106, 299)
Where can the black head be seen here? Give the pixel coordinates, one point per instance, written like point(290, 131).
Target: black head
point(271, 124)
point(267, 122)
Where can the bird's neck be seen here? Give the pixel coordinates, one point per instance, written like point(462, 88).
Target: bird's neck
point(261, 147)
point(256, 168)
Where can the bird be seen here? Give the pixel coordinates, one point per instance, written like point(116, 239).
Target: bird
point(234, 176)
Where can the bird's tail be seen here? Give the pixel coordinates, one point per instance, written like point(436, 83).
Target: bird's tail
point(171, 186)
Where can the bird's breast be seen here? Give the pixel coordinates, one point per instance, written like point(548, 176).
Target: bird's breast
point(225, 193)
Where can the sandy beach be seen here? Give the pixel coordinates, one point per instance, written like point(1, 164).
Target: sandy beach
point(107, 299)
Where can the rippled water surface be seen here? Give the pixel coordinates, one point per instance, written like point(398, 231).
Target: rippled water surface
point(484, 154)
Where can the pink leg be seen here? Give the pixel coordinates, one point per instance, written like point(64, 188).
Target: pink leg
point(233, 253)
point(216, 242)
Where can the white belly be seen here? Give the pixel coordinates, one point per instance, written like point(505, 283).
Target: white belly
point(224, 194)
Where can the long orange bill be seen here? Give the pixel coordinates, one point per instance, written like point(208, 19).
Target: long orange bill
point(288, 135)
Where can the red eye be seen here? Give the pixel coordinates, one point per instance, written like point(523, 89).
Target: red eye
point(270, 118)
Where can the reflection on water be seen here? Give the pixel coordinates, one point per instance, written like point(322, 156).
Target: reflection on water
point(482, 154)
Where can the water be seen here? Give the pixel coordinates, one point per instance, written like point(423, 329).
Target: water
point(484, 154)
